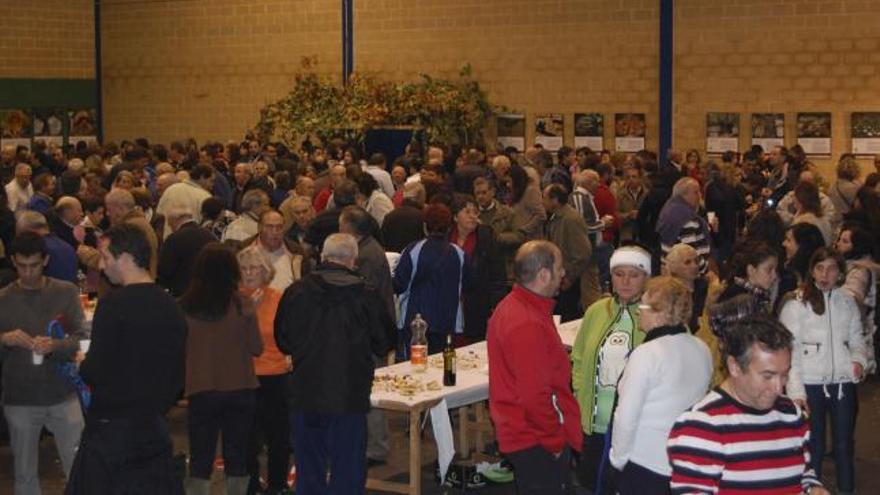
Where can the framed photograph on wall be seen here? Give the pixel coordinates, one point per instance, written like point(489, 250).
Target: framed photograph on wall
point(549, 128)
point(511, 129)
point(629, 132)
point(83, 126)
point(814, 132)
point(49, 125)
point(768, 130)
point(16, 127)
point(589, 129)
point(722, 132)
point(865, 133)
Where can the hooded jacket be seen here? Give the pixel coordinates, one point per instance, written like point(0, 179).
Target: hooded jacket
point(332, 323)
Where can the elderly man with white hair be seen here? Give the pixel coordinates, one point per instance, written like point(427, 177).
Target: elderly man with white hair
point(680, 222)
point(68, 214)
point(191, 191)
point(164, 181)
point(332, 324)
point(20, 190)
point(253, 204)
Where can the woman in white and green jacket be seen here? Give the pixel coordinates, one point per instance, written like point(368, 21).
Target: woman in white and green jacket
point(609, 332)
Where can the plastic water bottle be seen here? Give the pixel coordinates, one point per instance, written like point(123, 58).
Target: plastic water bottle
point(418, 346)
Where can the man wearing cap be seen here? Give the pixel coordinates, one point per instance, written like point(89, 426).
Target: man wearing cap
point(608, 333)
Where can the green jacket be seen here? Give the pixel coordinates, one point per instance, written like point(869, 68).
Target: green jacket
point(596, 325)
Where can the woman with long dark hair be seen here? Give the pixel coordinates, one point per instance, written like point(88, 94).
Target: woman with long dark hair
point(828, 359)
point(866, 211)
point(223, 339)
point(801, 241)
point(751, 270)
point(809, 210)
point(862, 273)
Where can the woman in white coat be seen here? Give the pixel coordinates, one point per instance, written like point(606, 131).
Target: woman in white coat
point(664, 376)
point(828, 359)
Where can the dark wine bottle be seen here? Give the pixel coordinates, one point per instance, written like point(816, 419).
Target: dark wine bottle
point(449, 363)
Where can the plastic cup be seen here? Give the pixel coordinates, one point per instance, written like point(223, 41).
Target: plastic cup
point(711, 216)
point(84, 345)
point(38, 358)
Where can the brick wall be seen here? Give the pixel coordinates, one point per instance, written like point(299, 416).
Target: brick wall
point(775, 56)
point(538, 56)
point(204, 68)
point(47, 39)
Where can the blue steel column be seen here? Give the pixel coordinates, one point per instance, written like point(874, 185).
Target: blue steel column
point(665, 97)
point(99, 99)
point(347, 39)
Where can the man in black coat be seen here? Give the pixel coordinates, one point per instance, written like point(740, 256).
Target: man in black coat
point(662, 181)
point(327, 222)
point(180, 249)
point(405, 224)
point(332, 324)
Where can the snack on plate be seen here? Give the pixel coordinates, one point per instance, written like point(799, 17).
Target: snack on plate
point(434, 385)
point(465, 360)
point(406, 385)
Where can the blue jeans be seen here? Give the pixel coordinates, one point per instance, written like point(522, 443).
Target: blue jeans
point(840, 405)
point(335, 440)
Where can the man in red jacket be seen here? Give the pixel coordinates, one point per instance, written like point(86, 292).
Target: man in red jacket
point(537, 421)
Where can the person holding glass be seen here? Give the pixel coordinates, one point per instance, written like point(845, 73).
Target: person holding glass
point(271, 424)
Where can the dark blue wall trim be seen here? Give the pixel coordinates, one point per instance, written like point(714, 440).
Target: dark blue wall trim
point(347, 39)
point(665, 97)
point(99, 100)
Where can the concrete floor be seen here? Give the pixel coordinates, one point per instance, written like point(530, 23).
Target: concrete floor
point(867, 454)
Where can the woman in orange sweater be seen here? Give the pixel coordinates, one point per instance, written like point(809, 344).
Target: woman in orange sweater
point(271, 424)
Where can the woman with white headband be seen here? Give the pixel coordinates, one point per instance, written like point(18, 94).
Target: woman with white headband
point(609, 332)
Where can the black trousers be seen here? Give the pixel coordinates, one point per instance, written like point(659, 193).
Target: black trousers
point(211, 413)
point(638, 480)
point(131, 456)
point(589, 462)
point(539, 472)
point(272, 429)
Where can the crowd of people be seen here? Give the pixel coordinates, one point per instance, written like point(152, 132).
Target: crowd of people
point(263, 285)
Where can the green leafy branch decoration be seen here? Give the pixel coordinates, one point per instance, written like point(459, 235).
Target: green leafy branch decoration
point(449, 111)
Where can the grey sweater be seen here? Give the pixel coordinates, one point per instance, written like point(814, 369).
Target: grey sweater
point(25, 384)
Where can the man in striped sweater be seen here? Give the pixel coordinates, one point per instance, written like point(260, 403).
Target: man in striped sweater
point(745, 436)
point(680, 222)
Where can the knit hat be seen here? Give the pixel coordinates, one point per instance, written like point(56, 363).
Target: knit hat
point(633, 256)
